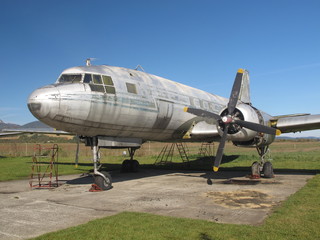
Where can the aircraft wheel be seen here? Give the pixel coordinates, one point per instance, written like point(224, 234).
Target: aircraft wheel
point(268, 170)
point(125, 167)
point(104, 184)
point(134, 165)
point(255, 170)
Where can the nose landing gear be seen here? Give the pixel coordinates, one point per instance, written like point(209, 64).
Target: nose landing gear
point(102, 179)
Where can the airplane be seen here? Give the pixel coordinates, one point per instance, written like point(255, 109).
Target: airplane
point(116, 107)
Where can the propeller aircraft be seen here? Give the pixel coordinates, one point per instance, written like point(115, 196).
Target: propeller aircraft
point(115, 107)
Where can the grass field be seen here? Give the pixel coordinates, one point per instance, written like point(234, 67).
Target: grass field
point(296, 218)
point(287, 156)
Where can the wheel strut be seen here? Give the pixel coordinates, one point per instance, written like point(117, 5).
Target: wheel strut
point(102, 179)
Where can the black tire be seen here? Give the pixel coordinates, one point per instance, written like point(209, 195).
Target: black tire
point(126, 166)
point(101, 182)
point(268, 170)
point(255, 170)
point(134, 165)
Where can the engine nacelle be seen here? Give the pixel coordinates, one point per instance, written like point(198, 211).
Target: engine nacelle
point(244, 137)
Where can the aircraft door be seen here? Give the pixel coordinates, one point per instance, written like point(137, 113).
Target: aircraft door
point(165, 112)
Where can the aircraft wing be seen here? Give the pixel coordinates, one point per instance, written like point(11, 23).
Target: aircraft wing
point(8, 132)
point(4, 134)
point(296, 123)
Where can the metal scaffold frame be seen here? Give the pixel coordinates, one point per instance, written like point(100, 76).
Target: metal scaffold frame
point(44, 174)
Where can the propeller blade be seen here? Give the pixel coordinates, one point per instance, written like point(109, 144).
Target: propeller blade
point(220, 151)
point(258, 127)
point(202, 113)
point(234, 96)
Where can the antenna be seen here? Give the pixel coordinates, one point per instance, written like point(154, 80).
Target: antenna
point(140, 67)
point(88, 61)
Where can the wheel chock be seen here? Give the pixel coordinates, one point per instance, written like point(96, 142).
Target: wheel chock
point(95, 188)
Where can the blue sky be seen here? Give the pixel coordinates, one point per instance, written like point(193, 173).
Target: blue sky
point(199, 43)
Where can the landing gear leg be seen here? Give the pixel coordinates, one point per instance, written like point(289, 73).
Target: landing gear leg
point(101, 179)
point(264, 166)
point(130, 165)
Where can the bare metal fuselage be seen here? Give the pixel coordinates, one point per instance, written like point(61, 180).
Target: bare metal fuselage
point(152, 109)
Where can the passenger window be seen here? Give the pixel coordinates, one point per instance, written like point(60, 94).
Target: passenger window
point(107, 80)
point(131, 88)
point(87, 78)
point(97, 79)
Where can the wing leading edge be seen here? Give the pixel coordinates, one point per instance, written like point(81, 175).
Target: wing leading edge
point(296, 123)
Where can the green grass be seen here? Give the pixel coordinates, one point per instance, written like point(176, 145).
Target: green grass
point(297, 218)
point(304, 156)
point(15, 168)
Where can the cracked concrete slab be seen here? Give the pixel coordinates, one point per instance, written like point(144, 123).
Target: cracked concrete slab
point(231, 198)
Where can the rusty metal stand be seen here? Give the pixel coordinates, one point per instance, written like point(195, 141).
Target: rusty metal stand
point(44, 174)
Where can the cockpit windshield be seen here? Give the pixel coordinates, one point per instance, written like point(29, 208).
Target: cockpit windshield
point(70, 78)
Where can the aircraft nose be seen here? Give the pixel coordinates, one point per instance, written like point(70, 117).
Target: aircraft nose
point(44, 102)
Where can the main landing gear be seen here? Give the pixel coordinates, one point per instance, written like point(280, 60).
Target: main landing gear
point(130, 165)
point(264, 166)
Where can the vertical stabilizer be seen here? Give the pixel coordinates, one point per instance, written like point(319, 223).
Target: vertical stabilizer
point(244, 95)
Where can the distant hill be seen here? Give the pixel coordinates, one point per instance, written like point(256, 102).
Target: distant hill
point(4, 125)
point(35, 124)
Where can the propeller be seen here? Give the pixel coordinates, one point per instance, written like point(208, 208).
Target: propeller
point(230, 119)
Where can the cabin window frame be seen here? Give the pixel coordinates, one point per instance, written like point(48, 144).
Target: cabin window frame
point(98, 83)
point(131, 88)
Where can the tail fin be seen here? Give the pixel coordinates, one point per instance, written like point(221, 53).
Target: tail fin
point(245, 88)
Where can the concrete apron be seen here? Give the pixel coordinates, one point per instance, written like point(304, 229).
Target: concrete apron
point(231, 198)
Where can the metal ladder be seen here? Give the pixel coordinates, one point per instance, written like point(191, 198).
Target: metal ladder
point(166, 154)
point(44, 174)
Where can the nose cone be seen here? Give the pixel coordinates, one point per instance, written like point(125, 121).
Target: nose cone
point(44, 102)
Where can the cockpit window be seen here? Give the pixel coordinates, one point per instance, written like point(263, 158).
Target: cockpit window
point(97, 79)
point(100, 83)
point(107, 80)
point(87, 78)
point(70, 78)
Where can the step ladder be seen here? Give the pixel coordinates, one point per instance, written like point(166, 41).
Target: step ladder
point(166, 154)
point(44, 169)
point(206, 149)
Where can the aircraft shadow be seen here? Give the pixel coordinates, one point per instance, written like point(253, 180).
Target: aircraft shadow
point(202, 165)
